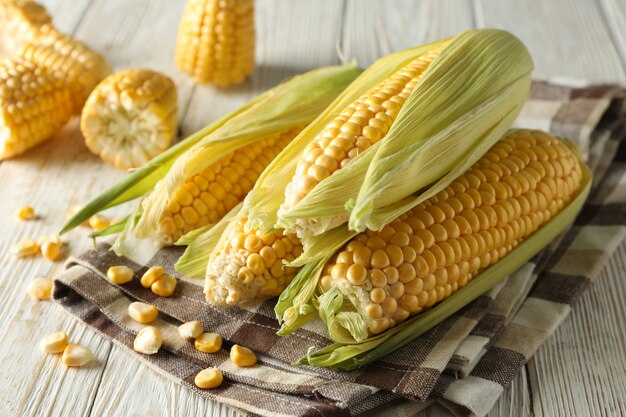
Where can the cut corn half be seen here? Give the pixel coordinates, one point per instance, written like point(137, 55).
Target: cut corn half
point(21, 21)
point(130, 117)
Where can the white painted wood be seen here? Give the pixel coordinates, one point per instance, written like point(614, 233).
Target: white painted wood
point(576, 373)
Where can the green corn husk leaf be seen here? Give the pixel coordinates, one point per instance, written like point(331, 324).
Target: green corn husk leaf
point(469, 96)
point(112, 229)
point(200, 244)
point(349, 356)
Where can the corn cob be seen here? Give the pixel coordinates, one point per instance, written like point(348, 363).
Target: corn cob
point(434, 249)
point(130, 117)
point(69, 60)
point(20, 22)
point(207, 196)
point(216, 41)
point(33, 106)
point(249, 265)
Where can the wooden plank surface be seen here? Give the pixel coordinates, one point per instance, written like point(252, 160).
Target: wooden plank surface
point(580, 371)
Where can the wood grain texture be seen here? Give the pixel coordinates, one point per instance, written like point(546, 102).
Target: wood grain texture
point(580, 371)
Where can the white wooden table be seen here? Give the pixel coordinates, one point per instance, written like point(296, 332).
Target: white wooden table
point(579, 372)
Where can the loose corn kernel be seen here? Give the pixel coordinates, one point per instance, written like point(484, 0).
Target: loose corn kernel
point(50, 246)
point(98, 222)
point(25, 248)
point(76, 355)
point(164, 286)
point(208, 342)
point(209, 378)
point(40, 288)
point(191, 330)
point(120, 274)
point(54, 343)
point(26, 213)
point(242, 356)
point(142, 312)
point(148, 340)
point(152, 275)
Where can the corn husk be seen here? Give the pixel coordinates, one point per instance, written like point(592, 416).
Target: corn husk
point(467, 98)
point(349, 353)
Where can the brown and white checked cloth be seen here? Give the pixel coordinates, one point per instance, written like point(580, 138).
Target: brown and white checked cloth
point(465, 362)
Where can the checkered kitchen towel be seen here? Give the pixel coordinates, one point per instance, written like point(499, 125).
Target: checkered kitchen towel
point(465, 362)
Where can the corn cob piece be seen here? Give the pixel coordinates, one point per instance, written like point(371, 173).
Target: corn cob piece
point(434, 249)
point(130, 117)
point(69, 60)
point(33, 106)
point(360, 125)
point(20, 22)
point(210, 194)
point(216, 41)
point(249, 266)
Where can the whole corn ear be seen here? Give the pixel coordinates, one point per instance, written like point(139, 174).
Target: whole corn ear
point(33, 106)
point(216, 41)
point(69, 60)
point(21, 21)
point(130, 117)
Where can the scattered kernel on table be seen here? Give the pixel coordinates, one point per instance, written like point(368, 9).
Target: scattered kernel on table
point(190, 330)
point(76, 355)
point(40, 288)
point(142, 312)
point(120, 274)
point(208, 342)
point(25, 248)
point(54, 343)
point(50, 246)
point(242, 356)
point(98, 222)
point(152, 275)
point(164, 286)
point(26, 213)
point(209, 378)
point(148, 340)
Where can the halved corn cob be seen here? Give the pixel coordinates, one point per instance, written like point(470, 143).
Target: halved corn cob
point(33, 106)
point(130, 117)
point(20, 22)
point(216, 41)
point(436, 248)
point(69, 60)
point(207, 196)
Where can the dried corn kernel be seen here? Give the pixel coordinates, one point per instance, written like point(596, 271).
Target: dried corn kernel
point(25, 248)
point(191, 330)
point(54, 343)
point(120, 274)
point(50, 247)
point(76, 355)
point(148, 340)
point(26, 213)
point(208, 342)
point(164, 286)
point(40, 288)
point(209, 378)
point(242, 356)
point(142, 312)
point(152, 275)
point(98, 222)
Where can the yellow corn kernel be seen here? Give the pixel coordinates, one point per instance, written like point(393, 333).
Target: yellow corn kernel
point(26, 213)
point(51, 246)
point(242, 356)
point(120, 274)
point(98, 222)
point(191, 330)
point(209, 378)
point(208, 342)
point(76, 355)
point(152, 275)
point(216, 40)
point(40, 288)
point(130, 117)
point(25, 248)
point(164, 286)
point(148, 340)
point(142, 312)
point(54, 343)
point(428, 253)
point(21, 22)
